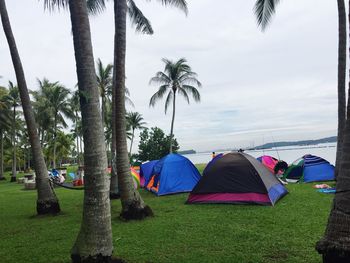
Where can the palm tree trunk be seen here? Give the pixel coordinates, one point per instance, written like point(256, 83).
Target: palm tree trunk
point(13, 139)
point(133, 206)
point(94, 241)
point(47, 202)
point(341, 81)
point(114, 188)
point(335, 244)
point(54, 142)
point(172, 124)
point(76, 134)
point(132, 139)
point(2, 177)
point(103, 109)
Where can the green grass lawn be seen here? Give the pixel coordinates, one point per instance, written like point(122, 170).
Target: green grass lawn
point(178, 232)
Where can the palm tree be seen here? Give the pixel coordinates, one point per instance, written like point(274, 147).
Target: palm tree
point(57, 105)
point(177, 78)
point(47, 201)
point(5, 124)
point(94, 241)
point(104, 81)
point(14, 101)
point(135, 121)
point(133, 206)
point(335, 245)
point(75, 109)
point(341, 82)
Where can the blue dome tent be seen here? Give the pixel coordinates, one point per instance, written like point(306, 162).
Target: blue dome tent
point(172, 174)
point(146, 172)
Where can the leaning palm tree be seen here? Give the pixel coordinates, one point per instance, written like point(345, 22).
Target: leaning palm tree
point(47, 201)
point(177, 78)
point(94, 241)
point(135, 121)
point(14, 101)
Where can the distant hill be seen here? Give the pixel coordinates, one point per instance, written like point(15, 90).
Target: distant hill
point(187, 152)
point(299, 143)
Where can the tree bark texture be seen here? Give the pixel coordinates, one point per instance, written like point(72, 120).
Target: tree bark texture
point(114, 188)
point(47, 202)
point(94, 241)
point(172, 123)
point(133, 206)
point(341, 81)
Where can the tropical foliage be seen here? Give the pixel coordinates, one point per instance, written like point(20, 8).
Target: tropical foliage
point(154, 144)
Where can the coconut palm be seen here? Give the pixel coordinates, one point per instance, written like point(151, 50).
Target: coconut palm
point(135, 122)
point(133, 206)
point(58, 107)
point(75, 109)
point(47, 201)
point(177, 78)
point(5, 124)
point(94, 241)
point(335, 245)
point(342, 46)
point(104, 80)
point(13, 100)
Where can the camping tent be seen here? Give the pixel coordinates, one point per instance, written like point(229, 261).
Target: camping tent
point(146, 172)
point(173, 173)
point(310, 168)
point(268, 161)
point(237, 178)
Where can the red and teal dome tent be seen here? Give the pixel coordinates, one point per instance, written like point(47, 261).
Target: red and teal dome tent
point(309, 168)
point(172, 174)
point(237, 178)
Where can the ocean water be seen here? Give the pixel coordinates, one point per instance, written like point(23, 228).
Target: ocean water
point(288, 154)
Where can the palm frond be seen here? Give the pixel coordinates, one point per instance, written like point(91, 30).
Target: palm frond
point(138, 19)
point(158, 95)
point(160, 79)
point(96, 6)
point(181, 4)
point(193, 91)
point(183, 93)
point(51, 5)
point(264, 9)
point(169, 99)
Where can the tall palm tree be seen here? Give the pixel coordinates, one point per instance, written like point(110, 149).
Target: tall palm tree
point(335, 245)
point(75, 109)
point(341, 81)
point(94, 241)
point(135, 121)
point(133, 206)
point(47, 201)
point(58, 107)
point(104, 81)
point(5, 124)
point(14, 101)
point(177, 78)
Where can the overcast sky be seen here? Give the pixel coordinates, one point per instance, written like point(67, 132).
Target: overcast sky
point(257, 87)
